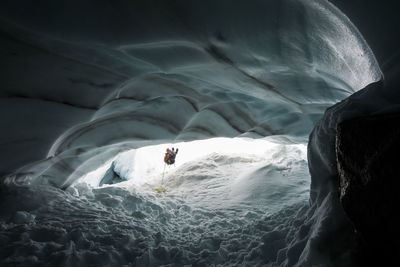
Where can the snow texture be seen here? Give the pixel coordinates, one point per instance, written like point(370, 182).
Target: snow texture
point(100, 90)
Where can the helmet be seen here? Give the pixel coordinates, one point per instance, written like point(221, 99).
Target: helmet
point(168, 150)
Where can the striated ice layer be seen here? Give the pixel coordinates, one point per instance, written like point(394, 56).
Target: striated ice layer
point(133, 68)
point(107, 87)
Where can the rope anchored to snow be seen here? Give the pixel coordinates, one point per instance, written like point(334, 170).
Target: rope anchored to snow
point(169, 159)
point(162, 188)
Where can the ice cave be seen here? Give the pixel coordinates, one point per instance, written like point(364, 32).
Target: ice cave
point(285, 114)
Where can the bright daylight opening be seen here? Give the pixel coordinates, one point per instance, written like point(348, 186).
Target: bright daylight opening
point(217, 171)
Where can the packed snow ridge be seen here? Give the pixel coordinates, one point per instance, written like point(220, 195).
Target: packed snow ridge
point(237, 90)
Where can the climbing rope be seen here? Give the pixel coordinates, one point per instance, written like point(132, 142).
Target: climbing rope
point(161, 189)
point(162, 179)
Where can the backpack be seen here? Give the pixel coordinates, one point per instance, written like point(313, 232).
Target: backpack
point(169, 157)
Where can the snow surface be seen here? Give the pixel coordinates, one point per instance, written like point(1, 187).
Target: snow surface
point(236, 87)
point(215, 173)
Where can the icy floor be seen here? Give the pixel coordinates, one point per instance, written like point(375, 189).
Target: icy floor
point(240, 208)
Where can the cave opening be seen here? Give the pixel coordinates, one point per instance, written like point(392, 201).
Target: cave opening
point(215, 172)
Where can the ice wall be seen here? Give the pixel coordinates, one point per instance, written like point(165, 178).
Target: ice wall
point(100, 79)
point(371, 18)
point(227, 74)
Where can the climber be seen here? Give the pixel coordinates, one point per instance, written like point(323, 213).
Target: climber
point(169, 157)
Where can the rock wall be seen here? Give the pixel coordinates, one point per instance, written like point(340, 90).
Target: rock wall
point(367, 158)
point(365, 128)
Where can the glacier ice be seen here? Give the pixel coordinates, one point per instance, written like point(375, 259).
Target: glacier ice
point(116, 85)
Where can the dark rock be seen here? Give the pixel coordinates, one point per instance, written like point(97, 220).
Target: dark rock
point(375, 241)
point(367, 160)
